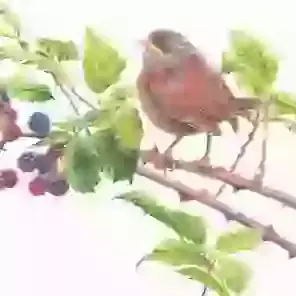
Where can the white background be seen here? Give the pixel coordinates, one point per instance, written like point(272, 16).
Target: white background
point(88, 245)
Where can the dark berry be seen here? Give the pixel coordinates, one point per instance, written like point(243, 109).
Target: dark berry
point(58, 188)
point(27, 162)
point(39, 123)
point(45, 162)
point(38, 186)
point(8, 178)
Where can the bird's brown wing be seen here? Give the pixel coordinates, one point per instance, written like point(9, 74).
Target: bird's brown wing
point(193, 95)
point(156, 111)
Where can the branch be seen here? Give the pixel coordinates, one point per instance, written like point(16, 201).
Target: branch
point(243, 150)
point(204, 197)
point(235, 180)
point(67, 94)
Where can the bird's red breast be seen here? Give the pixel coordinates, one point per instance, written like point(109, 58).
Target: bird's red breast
point(191, 93)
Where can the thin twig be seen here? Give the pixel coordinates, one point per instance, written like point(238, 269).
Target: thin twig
point(204, 197)
point(83, 100)
point(69, 98)
point(262, 166)
point(243, 150)
point(205, 290)
point(235, 180)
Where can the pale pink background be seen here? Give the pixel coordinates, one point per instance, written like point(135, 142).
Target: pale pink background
point(88, 245)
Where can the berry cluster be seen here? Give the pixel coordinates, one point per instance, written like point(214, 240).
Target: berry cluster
point(9, 131)
point(49, 178)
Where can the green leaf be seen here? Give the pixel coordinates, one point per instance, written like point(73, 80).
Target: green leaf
point(236, 274)
point(11, 49)
point(128, 127)
point(240, 240)
point(120, 163)
point(255, 66)
point(228, 64)
point(102, 63)
point(9, 23)
point(187, 226)
point(284, 102)
point(31, 93)
point(82, 164)
point(176, 252)
point(104, 121)
point(57, 49)
point(204, 276)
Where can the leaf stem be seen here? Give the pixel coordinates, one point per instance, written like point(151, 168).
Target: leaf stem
point(83, 100)
point(69, 97)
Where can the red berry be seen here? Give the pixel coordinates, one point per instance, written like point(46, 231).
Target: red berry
point(8, 178)
point(38, 186)
point(58, 188)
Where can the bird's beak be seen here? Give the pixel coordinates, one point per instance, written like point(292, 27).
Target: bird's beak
point(147, 45)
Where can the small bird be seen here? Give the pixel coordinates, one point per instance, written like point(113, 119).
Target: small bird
point(181, 93)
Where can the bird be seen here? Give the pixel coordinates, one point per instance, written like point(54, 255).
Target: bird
point(181, 93)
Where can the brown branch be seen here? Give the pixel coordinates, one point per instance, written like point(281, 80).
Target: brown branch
point(204, 197)
point(235, 180)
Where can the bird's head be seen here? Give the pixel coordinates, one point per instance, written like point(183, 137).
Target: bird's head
point(166, 48)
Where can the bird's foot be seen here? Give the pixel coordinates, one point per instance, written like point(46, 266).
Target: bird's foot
point(167, 162)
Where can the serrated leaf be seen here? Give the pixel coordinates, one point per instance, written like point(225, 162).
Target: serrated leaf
point(31, 93)
point(236, 274)
point(228, 64)
point(82, 165)
point(187, 226)
point(102, 63)
point(11, 49)
point(177, 252)
point(244, 239)
point(120, 163)
point(128, 127)
point(9, 23)
point(53, 67)
point(57, 49)
point(204, 276)
point(6, 30)
point(253, 63)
